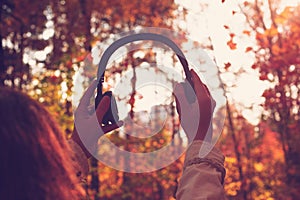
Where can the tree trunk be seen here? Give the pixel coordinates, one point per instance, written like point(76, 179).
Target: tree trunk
point(2, 65)
point(95, 183)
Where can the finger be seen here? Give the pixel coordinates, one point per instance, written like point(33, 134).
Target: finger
point(199, 86)
point(103, 108)
point(181, 100)
point(178, 108)
point(214, 103)
point(112, 127)
point(207, 90)
point(85, 99)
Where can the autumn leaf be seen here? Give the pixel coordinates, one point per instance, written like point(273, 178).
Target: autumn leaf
point(227, 65)
point(233, 12)
point(266, 94)
point(226, 27)
point(231, 44)
point(248, 49)
point(272, 31)
point(246, 3)
point(254, 66)
point(246, 32)
point(223, 1)
point(263, 77)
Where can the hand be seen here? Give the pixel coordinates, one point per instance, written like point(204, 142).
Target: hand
point(87, 129)
point(195, 118)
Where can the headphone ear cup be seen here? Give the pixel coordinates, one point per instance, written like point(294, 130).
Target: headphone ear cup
point(111, 116)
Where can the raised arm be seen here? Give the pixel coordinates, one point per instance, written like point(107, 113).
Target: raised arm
point(203, 174)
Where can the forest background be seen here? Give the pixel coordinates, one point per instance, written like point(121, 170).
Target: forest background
point(45, 43)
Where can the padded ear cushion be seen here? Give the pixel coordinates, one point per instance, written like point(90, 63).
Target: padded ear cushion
point(111, 116)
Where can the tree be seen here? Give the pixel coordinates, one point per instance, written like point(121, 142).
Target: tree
point(253, 160)
point(22, 25)
point(55, 36)
point(277, 60)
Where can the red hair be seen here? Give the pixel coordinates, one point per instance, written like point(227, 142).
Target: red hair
point(36, 160)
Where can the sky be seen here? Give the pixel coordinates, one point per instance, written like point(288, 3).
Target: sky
point(209, 22)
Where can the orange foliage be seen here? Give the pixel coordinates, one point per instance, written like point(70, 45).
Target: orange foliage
point(232, 45)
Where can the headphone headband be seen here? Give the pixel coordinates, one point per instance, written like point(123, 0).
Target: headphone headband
point(138, 37)
point(111, 116)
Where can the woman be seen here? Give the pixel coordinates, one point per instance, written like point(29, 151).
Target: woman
point(36, 162)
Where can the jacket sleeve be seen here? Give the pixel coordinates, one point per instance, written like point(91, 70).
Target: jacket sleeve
point(203, 175)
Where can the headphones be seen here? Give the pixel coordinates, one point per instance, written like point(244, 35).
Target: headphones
point(111, 115)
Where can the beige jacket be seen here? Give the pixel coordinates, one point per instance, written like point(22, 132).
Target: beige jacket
point(202, 178)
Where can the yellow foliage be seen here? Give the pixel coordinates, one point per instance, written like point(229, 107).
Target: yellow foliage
point(271, 32)
point(259, 167)
point(232, 188)
point(230, 159)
